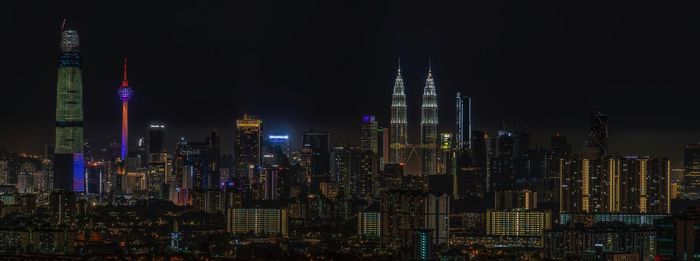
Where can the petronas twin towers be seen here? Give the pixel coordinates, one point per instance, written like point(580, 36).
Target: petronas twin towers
point(400, 150)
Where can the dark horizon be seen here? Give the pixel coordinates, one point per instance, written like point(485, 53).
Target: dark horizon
point(198, 67)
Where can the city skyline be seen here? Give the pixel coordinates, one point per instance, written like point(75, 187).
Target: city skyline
point(350, 131)
point(238, 86)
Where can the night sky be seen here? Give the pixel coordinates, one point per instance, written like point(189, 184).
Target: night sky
point(539, 66)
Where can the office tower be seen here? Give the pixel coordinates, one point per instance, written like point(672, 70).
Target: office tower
point(691, 178)
point(472, 179)
point(213, 152)
point(96, 178)
point(391, 178)
point(248, 145)
point(447, 155)
point(142, 151)
point(598, 136)
point(259, 221)
point(156, 138)
point(383, 146)
point(345, 168)
point(68, 162)
point(179, 173)
point(316, 147)
point(510, 144)
point(369, 134)
point(398, 128)
point(157, 175)
point(429, 127)
point(279, 143)
point(159, 172)
point(125, 93)
point(508, 154)
point(464, 122)
point(269, 178)
point(69, 99)
point(202, 162)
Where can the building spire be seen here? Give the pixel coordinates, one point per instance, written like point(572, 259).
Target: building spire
point(399, 65)
point(125, 81)
point(430, 68)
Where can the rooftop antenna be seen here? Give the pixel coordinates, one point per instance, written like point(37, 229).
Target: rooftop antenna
point(430, 65)
point(399, 64)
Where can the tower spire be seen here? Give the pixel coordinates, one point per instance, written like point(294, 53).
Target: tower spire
point(399, 65)
point(125, 81)
point(430, 68)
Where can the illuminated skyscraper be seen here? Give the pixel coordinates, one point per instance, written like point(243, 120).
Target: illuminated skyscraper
point(278, 143)
point(69, 96)
point(125, 94)
point(156, 138)
point(69, 164)
point(399, 123)
point(429, 126)
point(464, 121)
point(447, 155)
point(368, 134)
point(248, 147)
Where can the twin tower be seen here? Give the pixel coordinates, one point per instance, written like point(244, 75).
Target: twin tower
point(400, 150)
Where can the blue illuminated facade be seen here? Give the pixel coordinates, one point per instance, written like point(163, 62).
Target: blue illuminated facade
point(78, 172)
point(278, 142)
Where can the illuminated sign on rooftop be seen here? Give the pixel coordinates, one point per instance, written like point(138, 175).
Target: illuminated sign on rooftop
point(279, 137)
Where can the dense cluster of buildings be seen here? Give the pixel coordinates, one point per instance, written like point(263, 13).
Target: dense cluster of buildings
point(455, 193)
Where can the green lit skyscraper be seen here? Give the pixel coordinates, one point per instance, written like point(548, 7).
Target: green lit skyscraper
point(69, 115)
point(69, 96)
